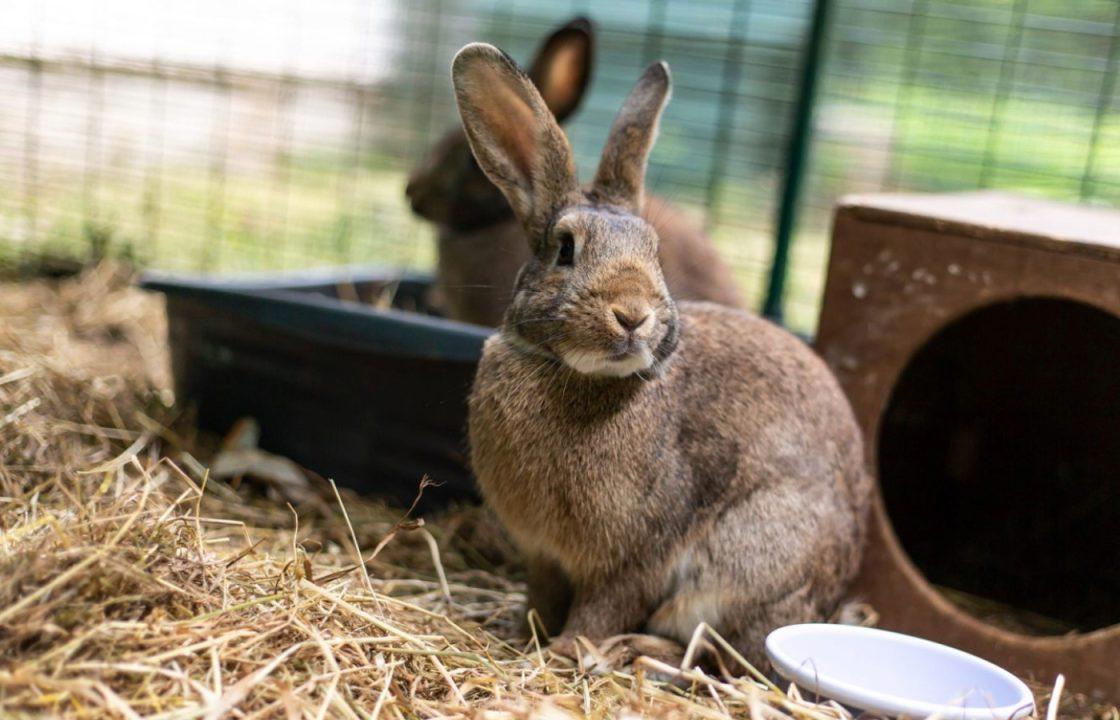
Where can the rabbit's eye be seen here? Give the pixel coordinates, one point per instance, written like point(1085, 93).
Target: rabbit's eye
point(567, 254)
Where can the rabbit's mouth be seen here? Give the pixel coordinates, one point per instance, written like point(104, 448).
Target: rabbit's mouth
point(600, 364)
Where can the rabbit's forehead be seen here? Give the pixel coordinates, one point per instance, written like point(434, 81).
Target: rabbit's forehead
point(595, 225)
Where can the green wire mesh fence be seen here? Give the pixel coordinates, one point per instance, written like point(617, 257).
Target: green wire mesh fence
point(260, 135)
point(941, 95)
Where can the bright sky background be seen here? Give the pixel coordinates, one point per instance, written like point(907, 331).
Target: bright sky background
point(347, 38)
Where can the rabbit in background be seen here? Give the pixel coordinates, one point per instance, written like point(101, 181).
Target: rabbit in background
point(481, 245)
point(659, 463)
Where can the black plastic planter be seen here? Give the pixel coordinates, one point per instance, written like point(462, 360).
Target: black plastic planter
point(374, 398)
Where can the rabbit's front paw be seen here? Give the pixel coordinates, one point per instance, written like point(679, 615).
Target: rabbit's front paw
point(568, 647)
point(622, 650)
point(615, 653)
point(581, 651)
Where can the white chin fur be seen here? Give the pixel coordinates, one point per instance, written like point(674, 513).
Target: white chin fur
point(600, 365)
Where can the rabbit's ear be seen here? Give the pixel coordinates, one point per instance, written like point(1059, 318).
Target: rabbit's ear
point(514, 136)
point(561, 69)
point(623, 166)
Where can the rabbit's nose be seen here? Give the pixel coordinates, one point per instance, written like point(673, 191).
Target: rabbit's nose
point(631, 318)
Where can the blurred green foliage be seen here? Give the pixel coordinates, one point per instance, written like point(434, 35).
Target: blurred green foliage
point(922, 95)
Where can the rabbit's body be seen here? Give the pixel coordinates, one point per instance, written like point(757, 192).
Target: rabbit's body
point(475, 271)
point(481, 245)
point(705, 494)
point(661, 466)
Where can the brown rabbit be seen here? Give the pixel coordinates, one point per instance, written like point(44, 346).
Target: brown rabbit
point(481, 246)
point(660, 465)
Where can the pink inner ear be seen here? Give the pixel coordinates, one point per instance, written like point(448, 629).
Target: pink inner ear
point(509, 118)
point(562, 77)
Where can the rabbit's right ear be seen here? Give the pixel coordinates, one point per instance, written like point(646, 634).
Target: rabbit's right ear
point(622, 169)
point(513, 134)
point(561, 69)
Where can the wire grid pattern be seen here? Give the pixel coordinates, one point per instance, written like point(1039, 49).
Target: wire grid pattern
point(259, 135)
point(942, 95)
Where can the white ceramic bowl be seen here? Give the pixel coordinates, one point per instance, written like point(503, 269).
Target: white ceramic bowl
point(895, 674)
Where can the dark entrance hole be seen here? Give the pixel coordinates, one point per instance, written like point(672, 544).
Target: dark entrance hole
point(999, 458)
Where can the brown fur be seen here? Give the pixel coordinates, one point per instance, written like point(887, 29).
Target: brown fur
point(699, 466)
point(480, 243)
point(622, 170)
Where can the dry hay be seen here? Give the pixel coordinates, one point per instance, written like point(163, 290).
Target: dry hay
point(132, 585)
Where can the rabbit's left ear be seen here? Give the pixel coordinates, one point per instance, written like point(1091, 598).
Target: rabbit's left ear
point(621, 176)
point(513, 135)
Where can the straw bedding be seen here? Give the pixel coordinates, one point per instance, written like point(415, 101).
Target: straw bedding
point(135, 584)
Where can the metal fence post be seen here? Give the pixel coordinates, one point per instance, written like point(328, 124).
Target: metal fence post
point(796, 156)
